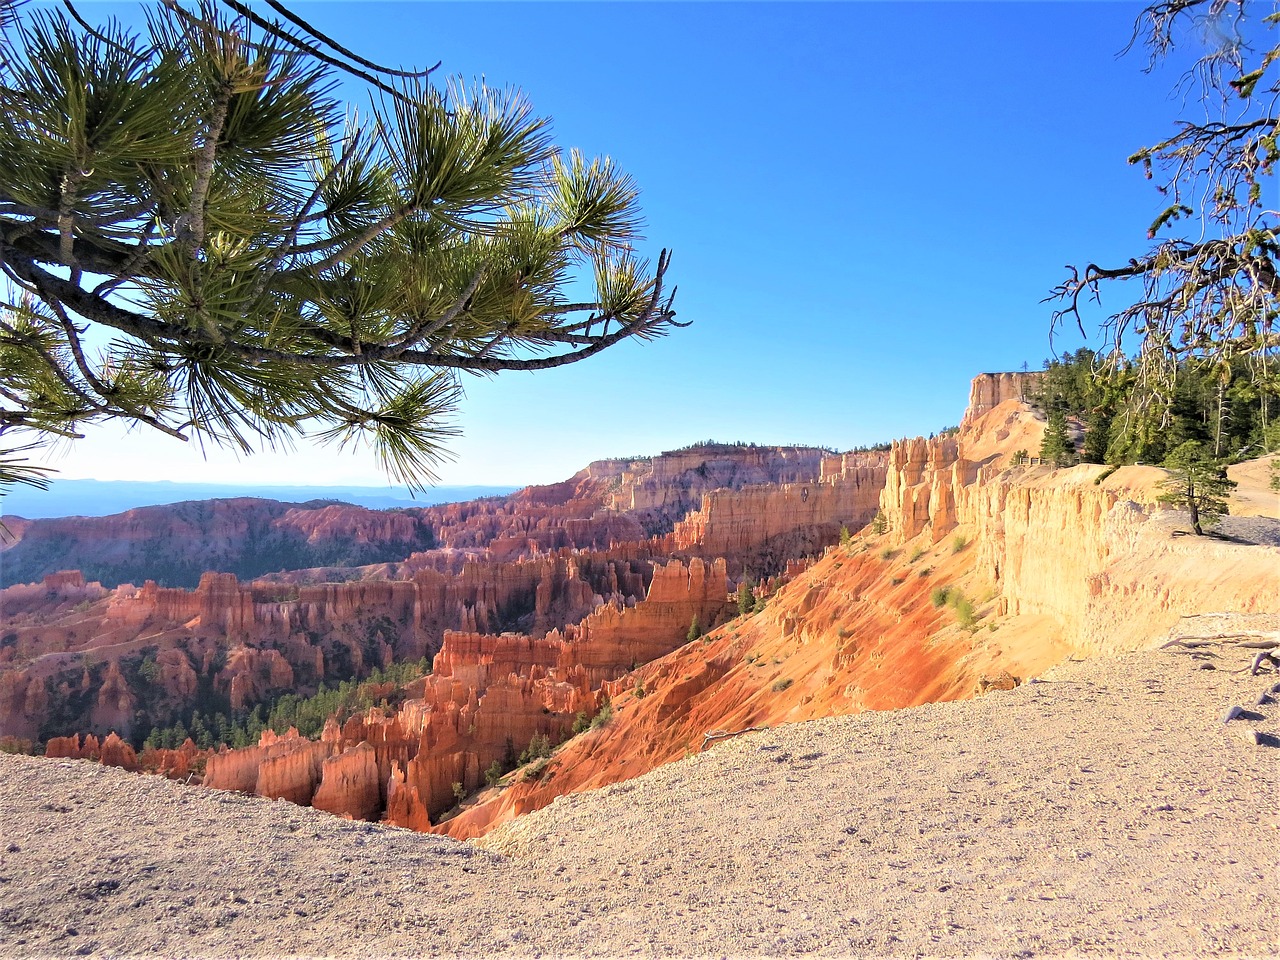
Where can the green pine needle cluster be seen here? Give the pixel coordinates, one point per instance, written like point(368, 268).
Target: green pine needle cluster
point(199, 236)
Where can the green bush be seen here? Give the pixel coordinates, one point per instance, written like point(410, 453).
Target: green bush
point(959, 543)
point(602, 718)
point(916, 553)
point(494, 773)
point(535, 770)
point(940, 596)
point(538, 749)
point(780, 685)
point(963, 608)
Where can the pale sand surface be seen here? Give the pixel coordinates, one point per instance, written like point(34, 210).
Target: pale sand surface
point(1253, 495)
point(1106, 811)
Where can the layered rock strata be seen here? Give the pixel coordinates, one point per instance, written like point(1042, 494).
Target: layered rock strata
point(536, 561)
point(986, 573)
point(764, 525)
point(487, 697)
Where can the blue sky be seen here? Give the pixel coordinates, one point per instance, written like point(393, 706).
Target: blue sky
point(866, 203)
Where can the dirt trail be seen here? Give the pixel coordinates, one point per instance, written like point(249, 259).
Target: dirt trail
point(1106, 810)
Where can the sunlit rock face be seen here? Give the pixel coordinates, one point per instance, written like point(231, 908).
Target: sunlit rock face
point(487, 696)
point(537, 561)
point(540, 608)
point(1052, 563)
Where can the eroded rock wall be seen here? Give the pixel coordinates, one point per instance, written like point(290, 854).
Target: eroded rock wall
point(744, 522)
point(488, 696)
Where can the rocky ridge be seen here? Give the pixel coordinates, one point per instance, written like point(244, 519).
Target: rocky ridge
point(1033, 565)
point(73, 654)
point(985, 827)
point(985, 572)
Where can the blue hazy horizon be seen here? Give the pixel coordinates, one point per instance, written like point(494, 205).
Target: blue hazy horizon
point(101, 498)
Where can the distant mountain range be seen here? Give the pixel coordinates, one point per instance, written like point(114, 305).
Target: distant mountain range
point(100, 498)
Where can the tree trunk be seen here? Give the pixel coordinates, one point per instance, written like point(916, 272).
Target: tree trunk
point(1217, 439)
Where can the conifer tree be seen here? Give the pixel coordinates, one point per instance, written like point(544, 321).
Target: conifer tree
point(1056, 447)
point(1198, 484)
point(1210, 283)
point(197, 236)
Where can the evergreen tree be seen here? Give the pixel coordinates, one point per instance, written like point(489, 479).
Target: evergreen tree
point(1097, 436)
point(1209, 286)
point(200, 733)
point(1056, 447)
point(208, 243)
point(1198, 484)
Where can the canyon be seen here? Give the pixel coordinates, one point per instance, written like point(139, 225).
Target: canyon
point(570, 564)
point(601, 619)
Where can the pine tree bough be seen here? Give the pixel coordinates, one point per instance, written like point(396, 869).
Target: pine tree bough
point(197, 236)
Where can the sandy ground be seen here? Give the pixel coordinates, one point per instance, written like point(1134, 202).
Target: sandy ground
point(1253, 496)
point(1106, 809)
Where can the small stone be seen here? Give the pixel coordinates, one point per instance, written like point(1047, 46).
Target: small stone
point(1231, 713)
point(1253, 737)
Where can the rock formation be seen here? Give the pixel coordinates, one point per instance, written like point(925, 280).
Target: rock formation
point(178, 542)
point(536, 561)
point(791, 518)
point(487, 698)
point(985, 570)
point(988, 390)
point(543, 607)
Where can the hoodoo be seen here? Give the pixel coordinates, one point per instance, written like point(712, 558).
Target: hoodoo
point(634, 614)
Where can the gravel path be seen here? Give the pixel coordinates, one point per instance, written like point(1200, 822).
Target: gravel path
point(1106, 810)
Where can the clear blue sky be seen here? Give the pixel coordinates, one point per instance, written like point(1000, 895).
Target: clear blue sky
point(866, 201)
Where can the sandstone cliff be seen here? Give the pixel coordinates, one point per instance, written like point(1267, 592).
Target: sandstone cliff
point(977, 572)
point(661, 490)
point(764, 525)
point(985, 574)
point(487, 697)
point(536, 561)
point(177, 543)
